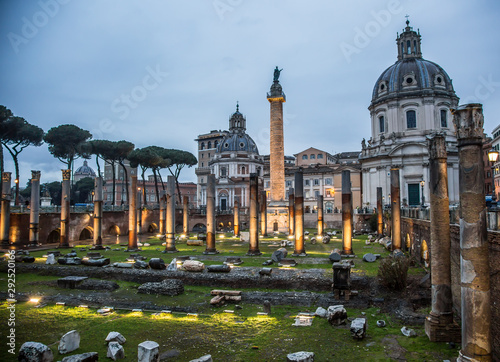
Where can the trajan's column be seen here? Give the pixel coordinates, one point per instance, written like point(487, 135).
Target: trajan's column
point(277, 208)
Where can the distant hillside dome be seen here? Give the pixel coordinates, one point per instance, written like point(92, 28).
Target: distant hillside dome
point(84, 171)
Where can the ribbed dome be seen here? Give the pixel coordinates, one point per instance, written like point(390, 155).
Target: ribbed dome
point(85, 170)
point(237, 141)
point(412, 77)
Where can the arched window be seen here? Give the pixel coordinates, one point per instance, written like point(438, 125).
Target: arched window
point(202, 145)
point(408, 46)
point(411, 119)
point(312, 157)
point(320, 155)
point(209, 144)
point(304, 157)
point(444, 118)
point(402, 48)
point(381, 124)
point(216, 143)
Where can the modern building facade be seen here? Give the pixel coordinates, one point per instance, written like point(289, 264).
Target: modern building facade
point(411, 100)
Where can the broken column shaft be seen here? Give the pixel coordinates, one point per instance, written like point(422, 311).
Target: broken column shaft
point(65, 214)
point(132, 214)
point(210, 215)
point(34, 207)
point(395, 210)
point(380, 215)
point(263, 213)
point(320, 215)
point(163, 213)
point(299, 215)
point(236, 221)
point(439, 325)
point(346, 213)
point(98, 213)
point(474, 252)
point(5, 215)
point(253, 248)
point(185, 215)
point(291, 212)
point(170, 219)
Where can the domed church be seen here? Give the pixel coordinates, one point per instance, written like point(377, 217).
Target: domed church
point(411, 100)
point(235, 157)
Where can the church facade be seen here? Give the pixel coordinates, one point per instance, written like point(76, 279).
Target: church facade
point(410, 101)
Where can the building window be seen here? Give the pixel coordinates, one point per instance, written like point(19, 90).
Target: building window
point(330, 193)
point(411, 119)
point(329, 207)
point(316, 193)
point(216, 143)
point(304, 157)
point(444, 120)
point(202, 164)
point(223, 172)
point(209, 144)
point(312, 157)
point(320, 155)
point(267, 184)
point(307, 182)
point(316, 182)
point(288, 183)
point(203, 145)
point(328, 181)
point(381, 124)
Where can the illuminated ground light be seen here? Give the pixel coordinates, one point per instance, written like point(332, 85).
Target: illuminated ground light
point(84, 306)
point(319, 237)
point(60, 304)
point(291, 237)
point(221, 237)
point(34, 300)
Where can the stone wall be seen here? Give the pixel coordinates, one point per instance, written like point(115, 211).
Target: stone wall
point(416, 233)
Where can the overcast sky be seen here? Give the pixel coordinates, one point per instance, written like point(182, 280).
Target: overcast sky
point(163, 72)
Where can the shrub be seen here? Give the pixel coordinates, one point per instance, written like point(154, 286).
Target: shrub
point(393, 272)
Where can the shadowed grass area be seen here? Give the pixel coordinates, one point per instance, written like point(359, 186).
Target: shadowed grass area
point(239, 336)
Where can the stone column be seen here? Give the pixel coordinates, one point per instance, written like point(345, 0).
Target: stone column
point(210, 215)
point(98, 213)
point(236, 221)
point(439, 325)
point(253, 248)
point(299, 215)
point(291, 211)
point(474, 258)
point(163, 214)
point(185, 215)
point(5, 216)
point(140, 195)
point(276, 98)
point(263, 213)
point(65, 201)
point(34, 207)
point(395, 210)
point(320, 215)
point(346, 213)
point(170, 221)
point(132, 214)
point(380, 213)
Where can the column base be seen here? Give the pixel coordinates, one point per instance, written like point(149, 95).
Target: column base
point(171, 251)
point(133, 249)
point(303, 253)
point(63, 246)
point(97, 247)
point(346, 252)
point(211, 252)
point(253, 253)
point(440, 329)
point(463, 358)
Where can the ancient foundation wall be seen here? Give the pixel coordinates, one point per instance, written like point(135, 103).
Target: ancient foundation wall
point(416, 234)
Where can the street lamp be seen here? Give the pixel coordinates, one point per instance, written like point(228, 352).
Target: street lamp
point(422, 183)
point(493, 157)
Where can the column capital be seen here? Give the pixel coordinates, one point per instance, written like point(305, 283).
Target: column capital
point(468, 120)
point(35, 175)
point(66, 175)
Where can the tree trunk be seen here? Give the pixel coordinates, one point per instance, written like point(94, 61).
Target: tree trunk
point(126, 177)
point(156, 186)
point(98, 166)
point(16, 165)
point(144, 186)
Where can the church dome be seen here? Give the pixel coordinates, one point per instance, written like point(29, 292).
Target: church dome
point(237, 139)
point(240, 142)
point(411, 75)
point(84, 171)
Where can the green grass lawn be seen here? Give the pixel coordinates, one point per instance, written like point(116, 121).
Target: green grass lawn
point(239, 336)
